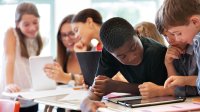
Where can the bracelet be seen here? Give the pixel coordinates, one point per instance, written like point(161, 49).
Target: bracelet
point(72, 76)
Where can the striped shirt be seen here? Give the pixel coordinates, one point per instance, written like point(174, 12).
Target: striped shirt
point(196, 47)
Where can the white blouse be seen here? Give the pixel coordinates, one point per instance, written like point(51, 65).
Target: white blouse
point(21, 74)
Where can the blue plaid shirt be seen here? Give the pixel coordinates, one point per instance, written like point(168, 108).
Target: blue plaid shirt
point(186, 66)
point(196, 47)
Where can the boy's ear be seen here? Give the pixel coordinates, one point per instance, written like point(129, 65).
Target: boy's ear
point(90, 22)
point(195, 20)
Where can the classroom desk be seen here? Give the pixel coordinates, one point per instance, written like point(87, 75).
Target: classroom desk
point(63, 96)
point(71, 99)
point(112, 107)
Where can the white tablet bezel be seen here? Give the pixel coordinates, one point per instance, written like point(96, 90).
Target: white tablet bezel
point(39, 79)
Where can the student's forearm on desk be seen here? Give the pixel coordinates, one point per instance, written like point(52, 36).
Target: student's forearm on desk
point(91, 103)
point(92, 96)
point(89, 99)
point(170, 69)
point(165, 91)
point(190, 80)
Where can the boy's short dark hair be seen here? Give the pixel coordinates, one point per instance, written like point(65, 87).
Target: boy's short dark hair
point(177, 12)
point(115, 32)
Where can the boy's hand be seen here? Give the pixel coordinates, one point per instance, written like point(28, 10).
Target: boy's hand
point(102, 85)
point(172, 53)
point(175, 81)
point(148, 90)
point(91, 105)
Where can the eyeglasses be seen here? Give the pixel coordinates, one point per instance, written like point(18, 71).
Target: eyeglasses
point(69, 34)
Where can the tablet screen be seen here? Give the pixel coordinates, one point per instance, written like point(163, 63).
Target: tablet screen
point(138, 102)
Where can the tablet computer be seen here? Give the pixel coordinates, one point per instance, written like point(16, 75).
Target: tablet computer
point(39, 79)
point(88, 62)
point(137, 101)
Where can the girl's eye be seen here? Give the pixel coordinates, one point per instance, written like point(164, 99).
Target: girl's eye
point(35, 23)
point(26, 25)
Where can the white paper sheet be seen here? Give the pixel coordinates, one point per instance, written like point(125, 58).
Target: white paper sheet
point(77, 95)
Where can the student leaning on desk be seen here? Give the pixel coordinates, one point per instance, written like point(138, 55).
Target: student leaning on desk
point(138, 59)
point(180, 62)
point(184, 24)
point(20, 43)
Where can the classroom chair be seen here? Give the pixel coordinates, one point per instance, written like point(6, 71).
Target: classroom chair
point(7, 105)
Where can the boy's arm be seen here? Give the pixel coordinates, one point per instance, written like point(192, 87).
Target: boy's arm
point(150, 90)
point(170, 69)
point(104, 85)
point(171, 54)
point(190, 80)
point(91, 103)
point(180, 81)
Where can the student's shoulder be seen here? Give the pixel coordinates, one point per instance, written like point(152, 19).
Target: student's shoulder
point(150, 44)
point(107, 55)
point(105, 52)
point(10, 36)
point(10, 33)
point(153, 48)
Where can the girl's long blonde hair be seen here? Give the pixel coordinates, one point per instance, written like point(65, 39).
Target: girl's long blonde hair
point(147, 29)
